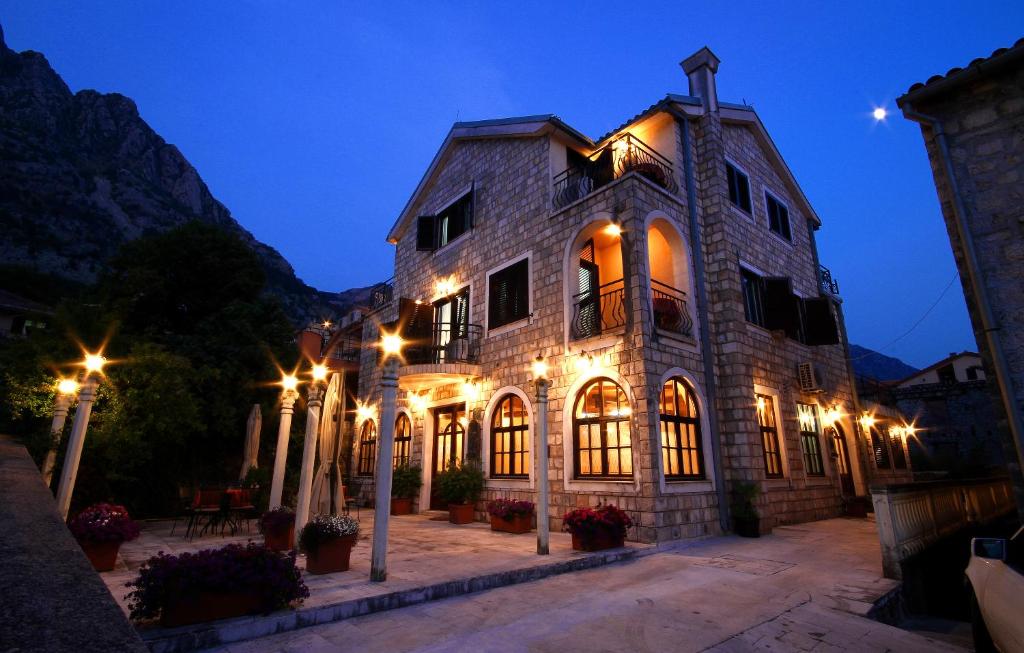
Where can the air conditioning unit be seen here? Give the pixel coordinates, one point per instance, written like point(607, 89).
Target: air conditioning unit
point(808, 377)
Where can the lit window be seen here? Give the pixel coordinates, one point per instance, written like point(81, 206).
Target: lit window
point(367, 448)
point(602, 441)
point(681, 455)
point(403, 440)
point(769, 437)
point(807, 415)
point(510, 439)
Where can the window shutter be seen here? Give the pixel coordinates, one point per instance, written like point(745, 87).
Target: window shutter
point(821, 323)
point(425, 241)
point(780, 307)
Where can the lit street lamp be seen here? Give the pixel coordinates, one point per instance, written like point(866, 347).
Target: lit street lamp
point(93, 364)
point(66, 390)
point(314, 399)
point(289, 383)
point(541, 383)
point(391, 347)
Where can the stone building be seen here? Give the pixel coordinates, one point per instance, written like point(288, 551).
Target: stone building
point(667, 273)
point(971, 119)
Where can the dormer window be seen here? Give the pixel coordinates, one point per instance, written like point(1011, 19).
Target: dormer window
point(435, 231)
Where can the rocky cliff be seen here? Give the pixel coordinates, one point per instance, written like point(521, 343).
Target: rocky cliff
point(81, 173)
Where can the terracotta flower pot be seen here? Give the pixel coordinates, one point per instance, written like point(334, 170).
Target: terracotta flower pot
point(401, 506)
point(207, 606)
point(596, 541)
point(102, 555)
point(460, 513)
point(515, 524)
point(747, 527)
point(283, 540)
point(331, 556)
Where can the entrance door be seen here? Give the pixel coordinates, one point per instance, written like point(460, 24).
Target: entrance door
point(449, 441)
point(843, 462)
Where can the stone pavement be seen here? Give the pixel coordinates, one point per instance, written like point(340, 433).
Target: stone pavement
point(803, 588)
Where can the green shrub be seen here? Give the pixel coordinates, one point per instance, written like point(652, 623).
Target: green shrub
point(406, 481)
point(461, 483)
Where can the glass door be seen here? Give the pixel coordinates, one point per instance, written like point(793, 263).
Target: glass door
point(449, 441)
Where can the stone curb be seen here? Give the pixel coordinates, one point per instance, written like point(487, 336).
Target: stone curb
point(219, 633)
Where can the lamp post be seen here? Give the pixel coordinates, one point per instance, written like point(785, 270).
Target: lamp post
point(66, 390)
point(93, 365)
point(391, 345)
point(541, 383)
point(314, 399)
point(289, 383)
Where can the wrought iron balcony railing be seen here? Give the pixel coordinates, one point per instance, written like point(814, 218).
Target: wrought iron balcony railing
point(448, 343)
point(382, 294)
point(597, 311)
point(670, 310)
point(623, 155)
point(346, 349)
point(829, 285)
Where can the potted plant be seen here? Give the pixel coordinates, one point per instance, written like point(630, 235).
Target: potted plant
point(215, 584)
point(327, 541)
point(510, 515)
point(856, 506)
point(594, 529)
point(745, 518)
point(278, 528)
point(405, 483)
point(100, 530)
point(460, 486)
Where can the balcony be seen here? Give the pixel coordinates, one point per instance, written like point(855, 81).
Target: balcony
point(346, 349)
point(623, 155)
point(598, 311)
point(670, 310)
point(828, 284)
point(449, 353)
point(382, 294)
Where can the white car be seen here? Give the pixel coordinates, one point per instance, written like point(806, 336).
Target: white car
point(995, 577)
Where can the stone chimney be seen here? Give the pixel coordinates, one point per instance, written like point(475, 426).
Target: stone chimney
point(700, 68)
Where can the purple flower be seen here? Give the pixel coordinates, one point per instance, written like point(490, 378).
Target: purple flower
point(589, 521)
point(509, 508)
point(103, 522)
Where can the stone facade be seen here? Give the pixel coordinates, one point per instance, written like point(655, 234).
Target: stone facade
point(509, 167)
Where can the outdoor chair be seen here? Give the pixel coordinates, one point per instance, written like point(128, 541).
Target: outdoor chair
point(206, 503)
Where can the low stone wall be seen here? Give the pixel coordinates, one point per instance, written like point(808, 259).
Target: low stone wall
point(52, 600)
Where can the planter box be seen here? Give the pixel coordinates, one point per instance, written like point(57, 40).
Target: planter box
point(331, 556)
point(102, 555)
point(460, 513)
point(597, 542)
point(401, 506)
point(280, 541)
point(516, 524)
point(856, 507)
point(207, 605)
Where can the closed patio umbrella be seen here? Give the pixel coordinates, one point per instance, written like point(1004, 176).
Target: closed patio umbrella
point(250, 454)
point(320, 500)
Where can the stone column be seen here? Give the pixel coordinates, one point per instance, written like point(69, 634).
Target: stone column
point(541, 447)
point(313, 402)
point(281, 456)
point(73, 455)
point(385, 451)
point(60, 413)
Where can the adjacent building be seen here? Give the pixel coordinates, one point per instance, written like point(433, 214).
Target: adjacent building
point(667, 273)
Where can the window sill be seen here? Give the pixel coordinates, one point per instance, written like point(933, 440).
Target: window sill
point(781, 239)
point(509, 483)
point(681, 486)
point(600, 485)
point(738, 211)
point(601, 341)
point(674, 339)
point(511, 326)
point(818, 481)
point(447, 246)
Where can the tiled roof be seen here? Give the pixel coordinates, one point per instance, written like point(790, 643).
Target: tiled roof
point(952, 73)
point(671, 97)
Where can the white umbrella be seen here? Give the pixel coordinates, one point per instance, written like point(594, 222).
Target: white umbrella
point(321, 498)
point(250, 454)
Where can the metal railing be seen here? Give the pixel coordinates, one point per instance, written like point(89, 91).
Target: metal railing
point(597, 311)
point(346, 349)
point(621, 156)
point(829, 285)
point(448, 343)
point(670, 310)
point(382, 294)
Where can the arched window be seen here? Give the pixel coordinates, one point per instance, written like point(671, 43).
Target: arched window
point(510, 439)
point(601, 431)
point(403, 440)
point(367, 448)
point(681, 452)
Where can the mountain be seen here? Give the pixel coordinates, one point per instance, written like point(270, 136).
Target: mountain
point(868, 362)
point(82, 173)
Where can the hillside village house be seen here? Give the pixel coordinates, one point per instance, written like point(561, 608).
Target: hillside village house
point(667, 273)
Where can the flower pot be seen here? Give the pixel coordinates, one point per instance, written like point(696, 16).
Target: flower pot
point(747, 527)
point(597, 541)
point(283, 540)
point(514, 524)
point(102, 555)
point(460, 513)
point(331, 556)
point(207, 605)
point(401, 506)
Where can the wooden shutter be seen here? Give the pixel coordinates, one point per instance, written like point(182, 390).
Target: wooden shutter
point(425, 236)
point(780, 307)
point(820, 325)
point(509, 290)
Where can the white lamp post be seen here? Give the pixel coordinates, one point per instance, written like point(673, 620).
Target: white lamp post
point(391, 344)
point(66, 390)
point(314, 399)
point(93, 364)
point(540, 381)
point(289, 384)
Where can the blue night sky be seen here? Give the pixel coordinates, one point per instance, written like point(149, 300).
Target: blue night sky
point(314, 122)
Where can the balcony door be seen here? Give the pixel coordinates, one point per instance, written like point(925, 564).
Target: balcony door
point(451, 325)
point(842, 458)
point(449, 443)
point(588, 300)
